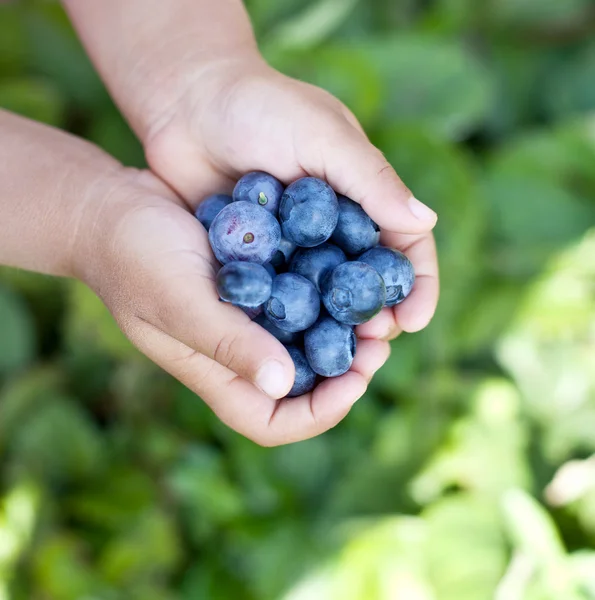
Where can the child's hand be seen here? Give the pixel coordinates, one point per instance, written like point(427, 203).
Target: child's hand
point(66, 208)
point(242, 115)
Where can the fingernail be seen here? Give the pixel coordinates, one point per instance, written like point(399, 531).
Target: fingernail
point(421, 211)
point(272, 379)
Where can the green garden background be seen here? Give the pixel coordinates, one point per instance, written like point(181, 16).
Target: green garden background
point(467, 470)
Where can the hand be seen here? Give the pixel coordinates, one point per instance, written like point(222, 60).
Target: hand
point(241, 115)
point(149, 259)
point(188, 77)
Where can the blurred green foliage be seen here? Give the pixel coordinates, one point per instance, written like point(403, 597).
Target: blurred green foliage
point(464, 473)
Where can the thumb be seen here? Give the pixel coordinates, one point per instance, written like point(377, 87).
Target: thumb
point(356, 168)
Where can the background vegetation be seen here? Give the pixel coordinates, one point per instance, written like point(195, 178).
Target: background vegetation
point(466, 473)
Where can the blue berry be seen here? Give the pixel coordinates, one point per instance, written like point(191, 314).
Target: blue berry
point(260, 188)
point(244, 284)
point(284, 254)
point(315, 263)
point(294, 304)
point(271, 270)
point(253, 313)
point(330, 347)
point(305, 378)
point(210, 207)
point(353, 293)
point(355, 232)
point(309, 212)
point(245, 232)
point(285, 337)
point(395, 269)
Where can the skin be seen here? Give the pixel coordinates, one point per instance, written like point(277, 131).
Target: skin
point(188, 77)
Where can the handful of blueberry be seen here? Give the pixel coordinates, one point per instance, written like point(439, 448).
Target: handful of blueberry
point(306, 264)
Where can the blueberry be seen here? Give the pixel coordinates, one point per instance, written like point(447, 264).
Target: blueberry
point(355, 232)
point(271, 270)
point(294, 304)
point(260, 188)
point(353, 293)
point(210, 207)
point(245, 232)
point(314, 263)
point(253, 313)
point(330, 347)
point(244, 284)
point(309, 212)
point(395, 269)
point(285, 337)
point(305, 378)
point(284, 254)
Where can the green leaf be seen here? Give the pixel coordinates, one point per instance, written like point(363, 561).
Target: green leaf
point(36, 99)
point(17, 340)
point(570, 84)
point(312, 26)
point(531, 528)
point(54, 51)
point(536, 13)
point(147, 550)
point(13, 42)
point(431, 82)
point(76, 447)
point(465, 550)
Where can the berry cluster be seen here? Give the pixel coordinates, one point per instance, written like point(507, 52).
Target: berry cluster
point(306, 264)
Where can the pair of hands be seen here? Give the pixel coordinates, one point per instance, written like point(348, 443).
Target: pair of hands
point(140, 248)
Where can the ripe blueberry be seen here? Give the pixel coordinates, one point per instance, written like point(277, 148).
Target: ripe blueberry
point(353, 293)
point(315, 263)
point(260, 188)
point(305, 378)
point(330, 347)
point(210, 207)
point(355, 232)
point(244, 232)
point(309, 212)
point(395, 269)
point(294, 304)
point(244, 284)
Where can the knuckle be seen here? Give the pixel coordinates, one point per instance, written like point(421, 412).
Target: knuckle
point(226, 349)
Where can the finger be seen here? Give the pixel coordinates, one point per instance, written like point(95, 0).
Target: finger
point(243, 407)
point(173, 276)
point(369, 357)
point(354, 167)
point(417, 310)
point(309, 415)
point(382, 327)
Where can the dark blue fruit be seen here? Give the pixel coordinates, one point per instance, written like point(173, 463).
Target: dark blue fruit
point(271, 270)
point(285, 337)
point(305, 378)
point(244, 284)
point(253, 313)
point(330, 347)
point(355, 232)
point(395, 269)
point(210, 207)
point(353, 293)
point(309, 212)
point(260, 188)
point(244, 232)
point(315, 263)
point(294, 304)
point(284, 254)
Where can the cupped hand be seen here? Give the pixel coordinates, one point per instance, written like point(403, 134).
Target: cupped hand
point(148, 258)
point(238, 115)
